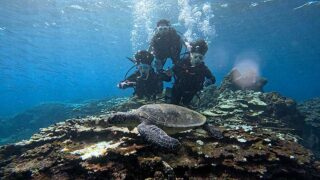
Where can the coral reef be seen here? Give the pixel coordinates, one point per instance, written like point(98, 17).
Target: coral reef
point(24, 124)
point(87, 148)
point(132, 103)
point(264, 110)
point(253, 108)
point(310, 110)
point(202, 100)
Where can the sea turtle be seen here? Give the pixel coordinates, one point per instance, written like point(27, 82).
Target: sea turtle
point(155, 119)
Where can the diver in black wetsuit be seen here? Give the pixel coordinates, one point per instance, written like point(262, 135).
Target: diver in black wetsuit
point(191, 74)
point(146, 83)
point(166, 43)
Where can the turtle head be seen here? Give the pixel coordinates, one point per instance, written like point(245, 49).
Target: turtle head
point(124, 119)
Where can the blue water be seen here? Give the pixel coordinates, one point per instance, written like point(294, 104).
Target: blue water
point(69, 51)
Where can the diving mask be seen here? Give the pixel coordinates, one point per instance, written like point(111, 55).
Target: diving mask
point(163, 28)
point(196, 59)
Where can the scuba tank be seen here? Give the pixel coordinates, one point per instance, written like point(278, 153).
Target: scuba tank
point(135, 64)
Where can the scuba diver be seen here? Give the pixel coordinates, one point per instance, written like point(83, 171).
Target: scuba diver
point(165, 43)
point(191, 74)
point(146, 83)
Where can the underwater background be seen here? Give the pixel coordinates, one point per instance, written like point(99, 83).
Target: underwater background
point(62, 115)
point(75, 50)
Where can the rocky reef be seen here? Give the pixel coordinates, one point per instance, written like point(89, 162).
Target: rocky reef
point(310, 110)
point(26, 123)
point(87, 148)
point(261, 141)
point(264, 110)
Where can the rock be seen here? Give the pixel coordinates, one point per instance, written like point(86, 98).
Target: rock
point(279, 106)
point(236, 81)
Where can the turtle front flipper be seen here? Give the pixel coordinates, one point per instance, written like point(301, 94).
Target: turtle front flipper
point(157, 136)
point(213, 131)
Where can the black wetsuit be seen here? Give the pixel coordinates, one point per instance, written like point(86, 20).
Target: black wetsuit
point(188, 81)
point(147, 88)
point(167, 44)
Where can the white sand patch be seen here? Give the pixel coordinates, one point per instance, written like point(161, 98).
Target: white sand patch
point(96, 150)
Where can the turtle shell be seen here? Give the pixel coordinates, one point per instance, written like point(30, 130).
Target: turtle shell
point(169, 115)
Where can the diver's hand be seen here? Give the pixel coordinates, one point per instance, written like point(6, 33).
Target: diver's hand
point(125, 84)
point(121, 85)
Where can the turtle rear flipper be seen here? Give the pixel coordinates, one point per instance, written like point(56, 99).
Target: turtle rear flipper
point(213, 131)
point(157, 136)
